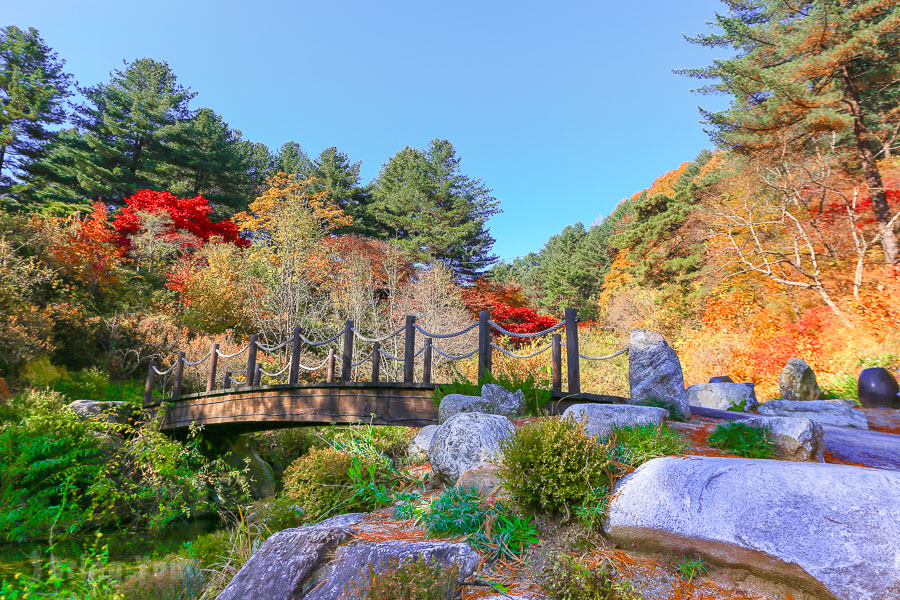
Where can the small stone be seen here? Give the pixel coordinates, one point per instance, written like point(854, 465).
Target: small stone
point(798, 381)
point(722, 396)
point(796, 438)
point(601, 419)
point(467, 440)
point(454, 404)
point(506, 403)
point(823, 411)
point(654, 371)
point(421, 443)
point(484, 479)
point(106, 411)
point(721, 379)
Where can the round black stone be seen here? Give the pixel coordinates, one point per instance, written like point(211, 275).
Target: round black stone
point(721, 379)
point(878, 389)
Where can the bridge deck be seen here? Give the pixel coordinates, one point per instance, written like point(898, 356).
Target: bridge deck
point(260, 408)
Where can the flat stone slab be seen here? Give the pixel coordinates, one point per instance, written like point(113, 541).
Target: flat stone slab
point(823, 411)
point(829, 530)
point(721, 395)
point(601, 419)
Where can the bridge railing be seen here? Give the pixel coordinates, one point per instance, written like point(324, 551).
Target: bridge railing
point(293, 347)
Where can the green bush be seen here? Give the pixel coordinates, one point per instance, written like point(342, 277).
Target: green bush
point(551, 466)
point(327, 481)
point(411, 580)
point(566, 578)
point(675, 413)
point(743, 440)
point(536, 390)
point(636, 445)
point(368, 440)
point(41, 373)
point(175, 580)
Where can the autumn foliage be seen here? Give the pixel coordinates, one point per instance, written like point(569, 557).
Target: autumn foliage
point(89, 251)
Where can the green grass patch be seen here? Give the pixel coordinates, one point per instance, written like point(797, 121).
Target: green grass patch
point(636, 445)
point(743, 440)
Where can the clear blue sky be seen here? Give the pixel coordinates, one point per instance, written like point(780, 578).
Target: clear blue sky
point(561, 108)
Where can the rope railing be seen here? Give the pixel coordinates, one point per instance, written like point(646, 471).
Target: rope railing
point(343, 361)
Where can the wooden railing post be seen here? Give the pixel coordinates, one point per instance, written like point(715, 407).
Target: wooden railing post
point(294, 370)
point(572, 360)
point(409, 351)
point(376, 362)
point(179, 376)
point(257, 377)
point(148, 386)
point(556, 352)
point(228, 382)
point(347, 356)
point(485, 354)
point(426, 368)
point(329, 372)
point(251, 360)
point(213, 365)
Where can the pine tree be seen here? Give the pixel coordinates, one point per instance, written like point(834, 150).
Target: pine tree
point(33, 87)
point(291, 159)
point(810, 71)
point(423, 200)
point(333, 172)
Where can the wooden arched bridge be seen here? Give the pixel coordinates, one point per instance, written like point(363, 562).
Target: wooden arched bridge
point(243, 404)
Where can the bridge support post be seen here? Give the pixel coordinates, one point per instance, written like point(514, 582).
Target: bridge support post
point(251, 360)
point(485, 352)
point(257, 376)
point(213, 365)
point(556, 352)
point(347, 356)
point(573, 367)
point(426, 368)
point(148, 385)
point(294, 370)
point(228, 383)
point(409, 351)
point(329, 373)
point(376, 362)
point(179, 376)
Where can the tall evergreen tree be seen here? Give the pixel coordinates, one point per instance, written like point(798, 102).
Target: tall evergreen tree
point(423, 200)
point(33, 87)
point(293, 160)
point(124, 129)
point(808, 68)
point(333, 172)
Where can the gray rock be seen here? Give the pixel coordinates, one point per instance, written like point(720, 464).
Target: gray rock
point(823, 411)
point(654, 371)
point(242, 453)
point(421, 444)
point(454, 404)
point(484, 479)
point(108, 412)
point(721, 396)
point(467, 440)
point(830, 530)
point(278, 570)
point(506, 403)
point(796, 438)
point(348, 573)
point(601, 419)
point(798, 381)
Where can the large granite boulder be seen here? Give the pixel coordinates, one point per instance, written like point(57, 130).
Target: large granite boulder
point(830, 530)
point(601, 419)
point(421, 443)
point(654, 371)
point(878, 388)
point(243, 454)
point(454, 404)
point(348, 573)
point(798, 381)
point(796, 438)
point(722, 396)
point(106, 411)
point(506, 403)
point(280, 567)
point(823, 411)
point(466, 440)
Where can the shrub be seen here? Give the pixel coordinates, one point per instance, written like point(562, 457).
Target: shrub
point(411, 580)
point(176, 580)
point(456, 512)
point(327, 480)
point(536, 390)
point(743, 440)
point(689, 569)
point(641, 443)
point(369, 440)
point(551, 465)
point(566, 578)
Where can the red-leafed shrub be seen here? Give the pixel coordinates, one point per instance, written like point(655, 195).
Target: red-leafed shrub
point(484, 293)
point(88, 252)
point(520, 319)
point(186, 216)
